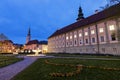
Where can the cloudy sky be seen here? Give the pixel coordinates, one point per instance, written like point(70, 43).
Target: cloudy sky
point(42, 16)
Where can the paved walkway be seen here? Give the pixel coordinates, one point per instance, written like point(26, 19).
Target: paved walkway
point(6, 73)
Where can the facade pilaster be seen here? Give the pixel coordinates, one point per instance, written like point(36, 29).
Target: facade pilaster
point(118, 29)
point(106, 33)
point(83, 36)
point(89, 34)
point(97, 38)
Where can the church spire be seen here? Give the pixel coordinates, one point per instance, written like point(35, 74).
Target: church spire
point(29, 31)
point(80, 15)
point(28, 36)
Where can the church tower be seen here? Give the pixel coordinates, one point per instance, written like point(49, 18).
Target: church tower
point(80, 14)
point(28, 36)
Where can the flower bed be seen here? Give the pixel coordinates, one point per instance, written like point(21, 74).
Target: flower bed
point(115, 69)
point(78, 69)
point(69, 74)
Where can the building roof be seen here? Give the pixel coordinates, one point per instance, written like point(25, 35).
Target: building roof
point(37, 42)
point(33, 42)
point(109, 12)
point(6, 41)
point(3, 37)
point(18, 44)
point(43, 42)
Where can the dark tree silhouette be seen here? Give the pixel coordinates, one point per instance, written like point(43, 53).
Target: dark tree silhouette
point(110, 3)
point(115, 1)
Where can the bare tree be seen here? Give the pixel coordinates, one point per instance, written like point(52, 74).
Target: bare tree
point(115, 1)
point(110, 3)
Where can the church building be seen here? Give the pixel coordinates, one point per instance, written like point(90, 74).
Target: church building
point(96, 34)
point(34, 45)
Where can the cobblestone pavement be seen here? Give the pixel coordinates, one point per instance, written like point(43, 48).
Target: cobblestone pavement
point(6, 73)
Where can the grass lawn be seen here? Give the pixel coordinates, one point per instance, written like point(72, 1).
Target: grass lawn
point(7, 60)
point(41, 71)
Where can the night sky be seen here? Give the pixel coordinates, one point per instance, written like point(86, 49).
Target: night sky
point(43, 16)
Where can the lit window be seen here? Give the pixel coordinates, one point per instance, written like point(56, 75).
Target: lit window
point(67, 38)
point(70, 37)
point(86, 33)
point(101, 30)
point(75, 36)
point(92, 32)
point(112, 27)
point(80, 35)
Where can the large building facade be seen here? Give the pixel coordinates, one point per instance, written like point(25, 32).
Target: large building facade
point(96, 34)
point(6, 45)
